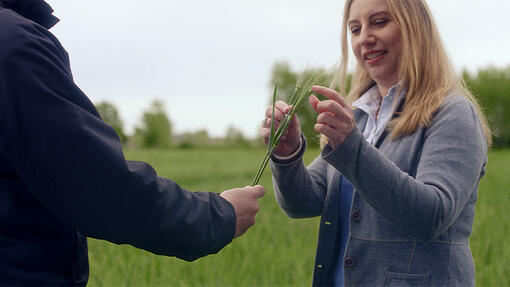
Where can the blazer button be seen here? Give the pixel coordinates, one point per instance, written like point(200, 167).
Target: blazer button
point(356, 215)
point(349, 262)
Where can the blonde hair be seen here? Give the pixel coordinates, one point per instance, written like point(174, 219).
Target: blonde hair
point(425, 69)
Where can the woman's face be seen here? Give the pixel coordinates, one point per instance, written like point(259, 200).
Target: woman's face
point(375, 39)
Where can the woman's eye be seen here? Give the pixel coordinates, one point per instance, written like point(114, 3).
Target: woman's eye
point(355, 30)
point(380, 22)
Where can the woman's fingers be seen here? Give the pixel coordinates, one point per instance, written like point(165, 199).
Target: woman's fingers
point(313, 101)
point(324, 129)
point(278, 115)
point(281, 108)
point(264, 134)
point(331, 94)
point(294, 124)
point(334, 109)
point(289, 141)
point(334, 106)
point(330, 106)
point(328, 119)
point(335, 117)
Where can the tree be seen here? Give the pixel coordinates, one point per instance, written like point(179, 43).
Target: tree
point(110, 115)
point(491, 86)
point(156, 129)
point(199, 138)
point(286, 79)
point(235, 137)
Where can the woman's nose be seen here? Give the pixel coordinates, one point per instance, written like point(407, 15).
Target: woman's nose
point(367, 38)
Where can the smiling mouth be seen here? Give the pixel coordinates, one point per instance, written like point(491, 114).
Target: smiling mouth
point(375, 55)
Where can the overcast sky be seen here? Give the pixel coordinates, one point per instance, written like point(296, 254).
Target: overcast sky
point(210, 60)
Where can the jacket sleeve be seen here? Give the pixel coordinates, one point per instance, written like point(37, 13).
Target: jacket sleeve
point(451, 163)
point(300, 191)
point(73, 162)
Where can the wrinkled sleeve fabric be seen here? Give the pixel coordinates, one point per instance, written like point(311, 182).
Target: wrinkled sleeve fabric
point(300, 191)
point(73, 162)
point(451, 163)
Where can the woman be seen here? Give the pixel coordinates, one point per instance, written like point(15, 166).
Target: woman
point(396, 184)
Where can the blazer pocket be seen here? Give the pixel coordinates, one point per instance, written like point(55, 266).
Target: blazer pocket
point(406, 279)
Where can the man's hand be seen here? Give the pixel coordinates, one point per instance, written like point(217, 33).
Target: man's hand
point(245, 205)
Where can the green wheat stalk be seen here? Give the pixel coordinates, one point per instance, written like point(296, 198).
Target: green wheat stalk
point(300, 93)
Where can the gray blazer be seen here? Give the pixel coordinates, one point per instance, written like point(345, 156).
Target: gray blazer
point(413, 205)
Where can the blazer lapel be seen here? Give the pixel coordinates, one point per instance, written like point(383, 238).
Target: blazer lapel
point(396, 114)
point(360, 118)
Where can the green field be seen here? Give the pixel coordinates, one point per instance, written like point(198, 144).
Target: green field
point(277, 251)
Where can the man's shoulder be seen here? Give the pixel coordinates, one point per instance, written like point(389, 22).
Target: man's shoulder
point(11, 22)
point(15, 31)
point(20, 34)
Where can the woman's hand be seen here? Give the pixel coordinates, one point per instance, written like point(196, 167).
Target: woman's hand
point(289, 142)
point(335, 119)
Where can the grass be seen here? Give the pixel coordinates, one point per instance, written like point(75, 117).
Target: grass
point(491, 231)
point(277, 251)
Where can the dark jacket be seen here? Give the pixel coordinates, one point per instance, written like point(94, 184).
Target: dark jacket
point(63, 175)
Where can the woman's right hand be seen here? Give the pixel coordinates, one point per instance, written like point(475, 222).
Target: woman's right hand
point(289, 142)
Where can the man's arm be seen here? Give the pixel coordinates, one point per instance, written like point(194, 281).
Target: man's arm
point(73, 163)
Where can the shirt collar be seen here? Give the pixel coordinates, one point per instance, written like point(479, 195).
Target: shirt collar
point(370, 101)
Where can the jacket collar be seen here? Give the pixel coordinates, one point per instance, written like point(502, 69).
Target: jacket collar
point(36, 10)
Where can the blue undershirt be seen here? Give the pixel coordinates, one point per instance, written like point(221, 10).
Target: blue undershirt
point(379, 114)
point(346, 193)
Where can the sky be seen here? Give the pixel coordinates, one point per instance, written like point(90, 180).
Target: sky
point(210, 61)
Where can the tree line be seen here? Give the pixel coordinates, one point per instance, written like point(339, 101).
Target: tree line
point(491, 87)
point(155, 130)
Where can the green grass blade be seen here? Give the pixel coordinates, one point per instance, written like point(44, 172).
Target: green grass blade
point(271, 136)
point(269, 144)
point(301, 91)
point(263, 165)
point(294, 95)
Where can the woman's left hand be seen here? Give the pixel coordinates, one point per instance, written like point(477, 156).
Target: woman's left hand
point(335, 119)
